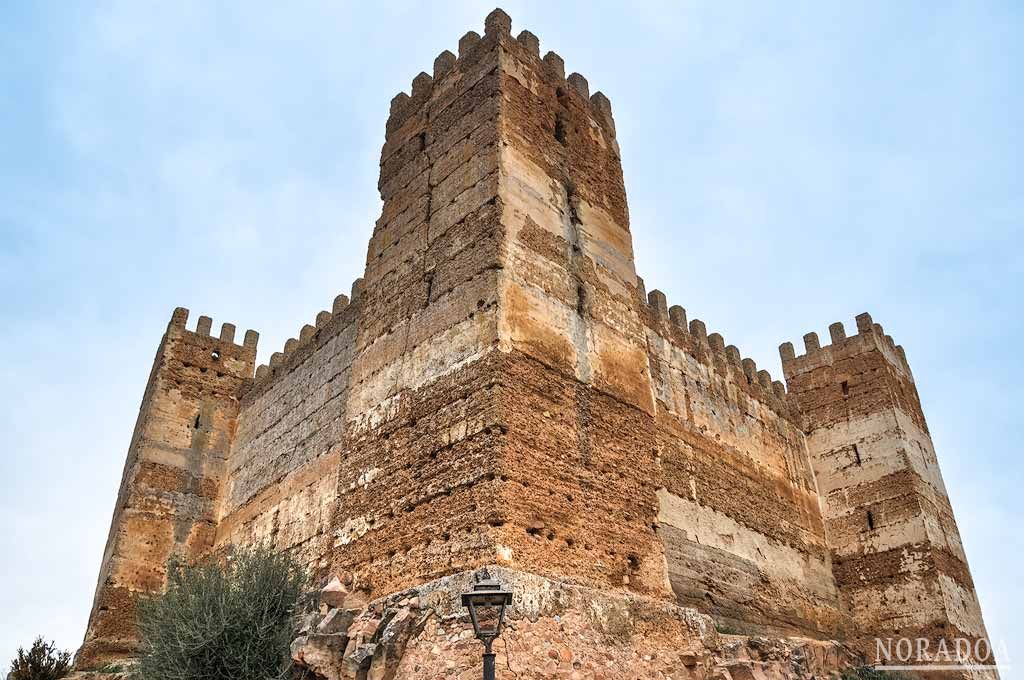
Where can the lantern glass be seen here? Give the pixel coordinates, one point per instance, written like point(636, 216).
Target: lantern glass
point(486, 603)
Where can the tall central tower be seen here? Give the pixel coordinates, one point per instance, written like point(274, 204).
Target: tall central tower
point(500, 382)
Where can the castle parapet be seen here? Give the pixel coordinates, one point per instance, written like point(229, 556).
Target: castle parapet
point(711, 348)
point(295, 349)
point(497, 29)
point(869, 335)
point(204, 326)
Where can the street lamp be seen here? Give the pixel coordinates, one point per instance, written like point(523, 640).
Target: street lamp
point(486, 603)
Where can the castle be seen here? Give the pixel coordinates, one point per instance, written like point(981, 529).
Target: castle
point(499, 390)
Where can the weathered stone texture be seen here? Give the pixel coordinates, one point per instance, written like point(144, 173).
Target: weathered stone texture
point(739, 511)
point(501, 390)
point(898, 559)
point(176, 465)
point(283, 470)
point(554, 630)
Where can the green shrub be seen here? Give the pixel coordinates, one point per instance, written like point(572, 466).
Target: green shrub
point(42, 662)
point(222, 620)
point(869, 673)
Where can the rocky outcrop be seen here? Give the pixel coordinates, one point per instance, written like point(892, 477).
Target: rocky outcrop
point(554, 630)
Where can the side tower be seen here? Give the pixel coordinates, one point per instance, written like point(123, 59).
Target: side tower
point(167, 503)
point(896, 550)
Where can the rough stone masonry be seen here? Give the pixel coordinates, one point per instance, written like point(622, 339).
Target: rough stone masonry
point(500, 392)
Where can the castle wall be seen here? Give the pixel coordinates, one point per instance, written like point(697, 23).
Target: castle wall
point(282, 473)
point(738, 511)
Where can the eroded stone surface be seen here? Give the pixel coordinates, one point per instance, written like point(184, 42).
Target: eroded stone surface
point(556, 630)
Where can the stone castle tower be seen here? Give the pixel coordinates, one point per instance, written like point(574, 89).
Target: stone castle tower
point(501, 392)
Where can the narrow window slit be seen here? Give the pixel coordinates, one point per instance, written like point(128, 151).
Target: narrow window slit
point(430, 289)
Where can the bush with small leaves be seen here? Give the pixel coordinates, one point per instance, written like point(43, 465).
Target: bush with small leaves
point(232, 619)
point(43, 661)
point(869, 673)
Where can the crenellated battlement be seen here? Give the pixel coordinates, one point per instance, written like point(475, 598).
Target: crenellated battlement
point(218, 362)
point(204, 325)
point(712, 349)
point(497, 31)
point(870, 335)
point(295, 349)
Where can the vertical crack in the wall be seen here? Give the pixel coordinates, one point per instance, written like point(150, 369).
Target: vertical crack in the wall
point(581, 331)
point(202, 429)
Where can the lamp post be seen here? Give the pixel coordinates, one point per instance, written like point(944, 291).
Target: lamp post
point(486, 603)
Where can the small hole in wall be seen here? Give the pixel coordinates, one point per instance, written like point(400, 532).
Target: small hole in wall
point(195, 425)
point(533, 531)
point(215, 355)
point(871, 520)
point(856, 454)
point(846, 388)
point(634, 562)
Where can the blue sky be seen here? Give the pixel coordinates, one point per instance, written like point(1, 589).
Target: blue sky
point(788, 165)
